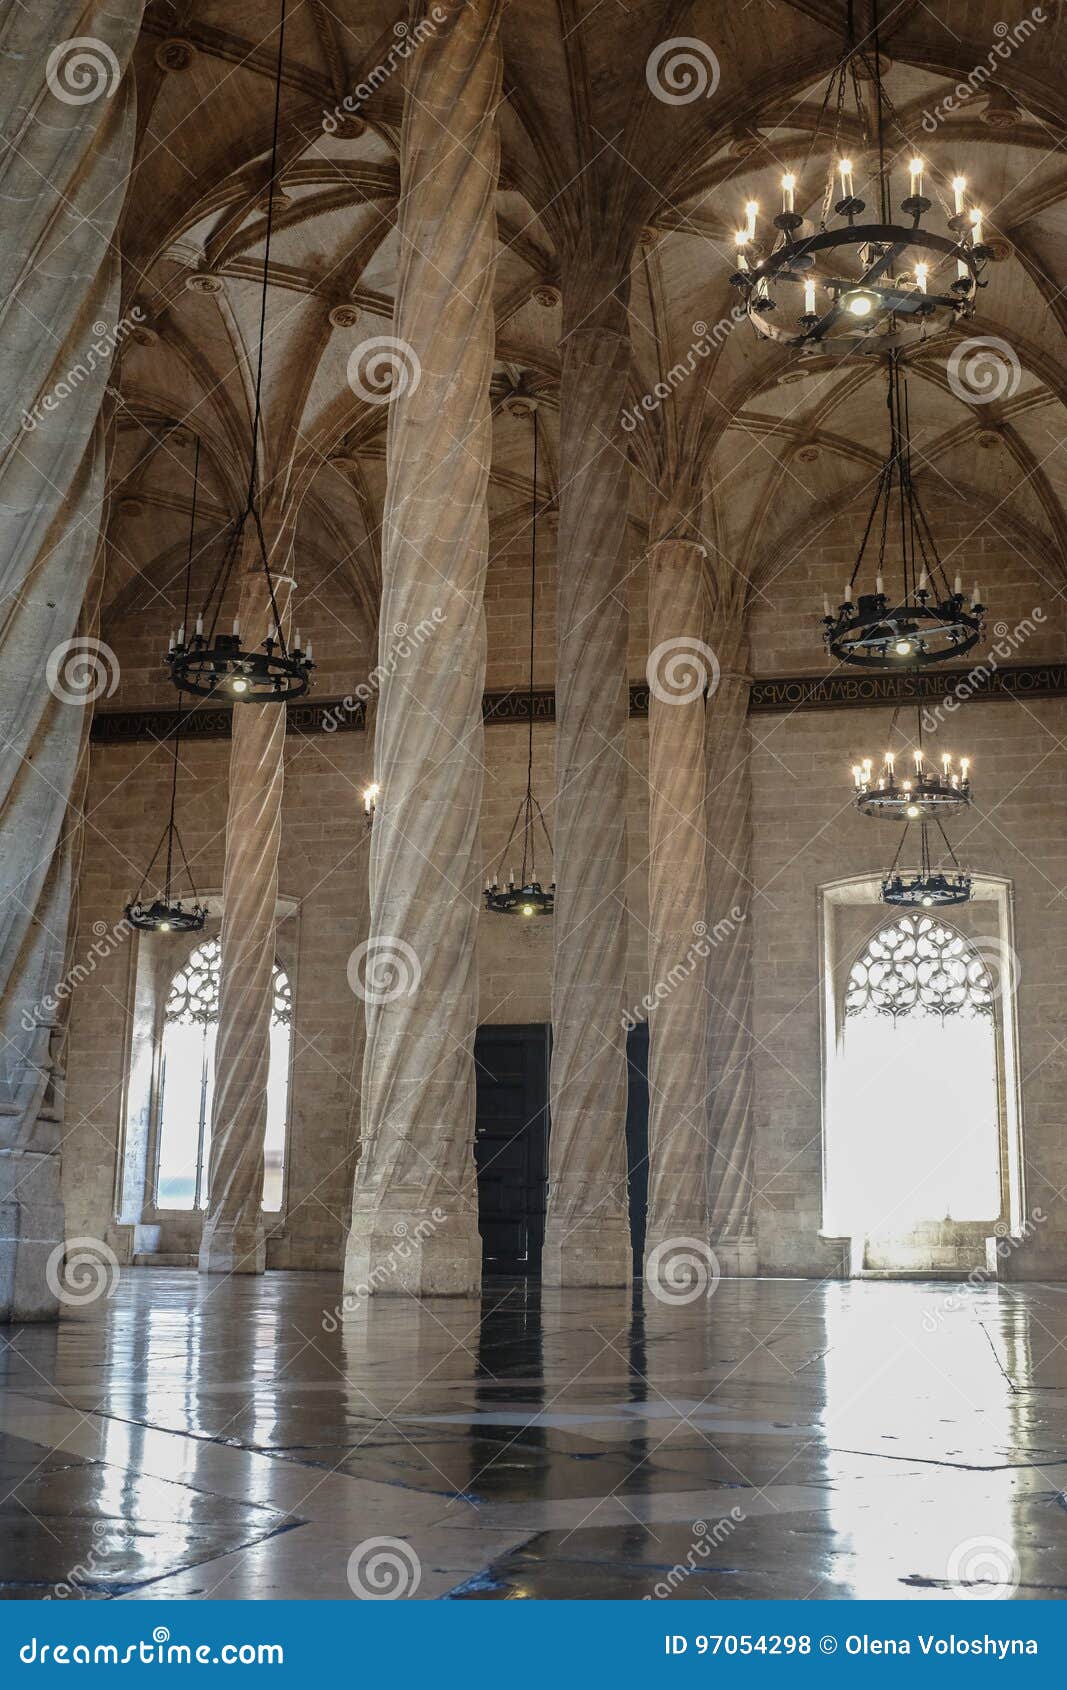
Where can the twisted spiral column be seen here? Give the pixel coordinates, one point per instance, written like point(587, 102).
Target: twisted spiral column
point(677, 885)
point(414, 1209)
point(587, 1237)
point(64, 168)
point(731, 1118)
point(233, 1236)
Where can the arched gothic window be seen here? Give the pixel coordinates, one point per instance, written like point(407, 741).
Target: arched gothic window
point(917, 964)
point(187, 1080)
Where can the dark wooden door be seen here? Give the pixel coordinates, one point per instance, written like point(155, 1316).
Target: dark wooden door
point(637, 1138)
point(511, 1146)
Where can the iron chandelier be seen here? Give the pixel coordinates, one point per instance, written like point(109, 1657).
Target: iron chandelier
point(166, 913)
point(851, 282)
point(205, 661)
point(527, 894)
point(929, 886)
point(910, 786)
point(921, 619)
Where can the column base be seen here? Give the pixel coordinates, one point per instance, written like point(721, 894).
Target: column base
point(593, 1252)
point(225, 1248)
point(738, 1258)
point(31, 1236)
point(414, 1253)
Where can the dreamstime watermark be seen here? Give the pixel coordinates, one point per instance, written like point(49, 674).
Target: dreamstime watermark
point(986, 1568)
point(1007, 641)
point(701, 947)
point(705, 1539)
point(384, 968)
point(88, 1577)
point(81, 1271)
point(386, 1269)
point(705, 342)
point(1008, 38)
point(682, 670)
point(381, 1569)
point(81, 670)
point(108, 939)
point(406, 641)
point(1003, 1244)
point(98, 355)
point(681, 1270)
point(81, 69)
point(383, 369)
point(983, 369)
point(408, 37)
point(682, 70)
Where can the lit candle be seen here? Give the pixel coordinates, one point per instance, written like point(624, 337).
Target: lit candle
point(976, 226)
point(789, 184)
point(809, 295)
point(922, 271)
point(857, 774)
point(959, 187)
point(963, 274)
point(918, 762)
point(846, 178)
point(946, 759)
point(915, 173)
point(867, 770)
point(761, 288)
point(965, 763)
point(751, 212)
point(740, 240)
point(889, 762)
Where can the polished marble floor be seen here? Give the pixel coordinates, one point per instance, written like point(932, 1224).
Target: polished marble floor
point(197, 1438)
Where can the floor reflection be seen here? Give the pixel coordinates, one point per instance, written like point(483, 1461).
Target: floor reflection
point(782, 1438)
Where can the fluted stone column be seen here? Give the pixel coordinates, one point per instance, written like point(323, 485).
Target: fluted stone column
point(66, 144)
point(587, 1239)
point(679, 669)
point(414, 1210)
point(233, 1237)
point(731, 1121)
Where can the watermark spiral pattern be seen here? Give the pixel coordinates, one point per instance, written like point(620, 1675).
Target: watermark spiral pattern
point(383, 369)
point(681, 670)
point(682, 70)
point(380, 970)
point(680, 1270)
point(81, 70)
point(382, 1569)
point(82, 670)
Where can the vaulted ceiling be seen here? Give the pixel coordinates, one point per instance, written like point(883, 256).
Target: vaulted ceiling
point(763, 436)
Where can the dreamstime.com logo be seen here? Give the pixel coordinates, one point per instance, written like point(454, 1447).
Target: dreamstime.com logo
point(81, 1271)
point(81, 670)
point(383, 369)
point(680, 1270)
point(155, 1651)
point(681, 670)
point(983, 369)
point(382, 969)
point(682, 70)
point(381, 1569)
point(82, 70)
